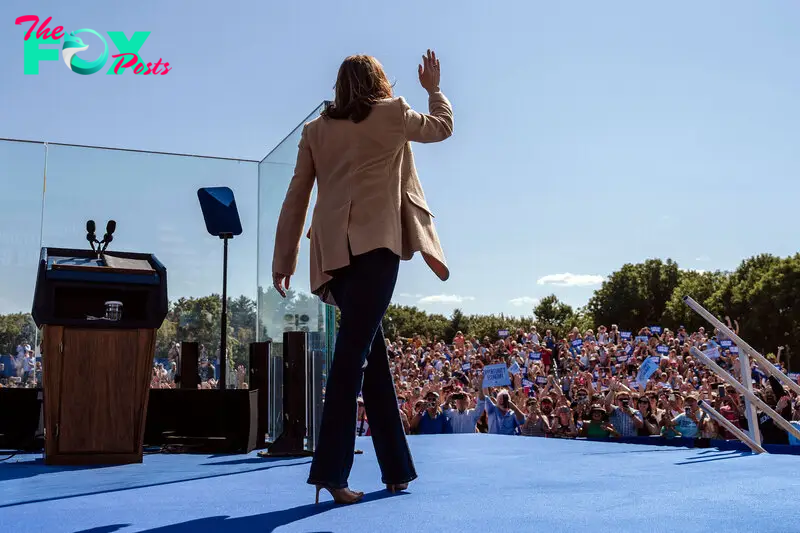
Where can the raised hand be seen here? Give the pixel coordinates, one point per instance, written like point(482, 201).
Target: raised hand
point(429, 73)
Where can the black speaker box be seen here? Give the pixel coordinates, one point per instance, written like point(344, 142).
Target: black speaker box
point(259, 382)
point(190, 357)
point(203, 420)
point(21, 419)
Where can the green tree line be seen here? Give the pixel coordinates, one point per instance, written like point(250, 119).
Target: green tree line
point(762, 294)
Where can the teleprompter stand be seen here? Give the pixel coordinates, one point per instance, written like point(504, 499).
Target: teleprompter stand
point(222, 220)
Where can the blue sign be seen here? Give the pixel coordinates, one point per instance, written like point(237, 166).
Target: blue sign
point(734, 349)
point(655, 329)
point(647, 369)
point(503, 333)
point(577, 343)
point(625, 335)
point(629, 349)
point(641, 338)
point(514, 368)
point(726, 343)
point(535, 356)
point(466, 366)
point(662, 349)
point(496, 376)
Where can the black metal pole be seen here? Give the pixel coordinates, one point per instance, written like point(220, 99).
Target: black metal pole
point(223, 341)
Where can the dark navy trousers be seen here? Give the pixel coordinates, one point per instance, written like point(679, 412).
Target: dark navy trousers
point(363, 291)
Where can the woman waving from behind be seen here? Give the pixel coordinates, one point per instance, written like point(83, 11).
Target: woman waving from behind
point(370, 213)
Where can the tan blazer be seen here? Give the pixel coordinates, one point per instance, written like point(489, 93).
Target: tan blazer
point(368, 193)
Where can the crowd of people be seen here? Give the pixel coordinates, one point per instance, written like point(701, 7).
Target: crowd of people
point(166, 373)
point(21, 369)
point(588, 384)
point(24, 370)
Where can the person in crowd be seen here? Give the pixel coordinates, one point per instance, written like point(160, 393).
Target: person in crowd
point(779, 400)
point(623, 417)
point(650, 424)
point(597, 427)
point(564, 425)
point(430, 419)
point(362, 424)
point(504, 417)
point(691, 421)
point(535, 425)
point(401, 401)
point(462, 419)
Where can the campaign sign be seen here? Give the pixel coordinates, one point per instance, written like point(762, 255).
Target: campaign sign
point(726, 343)
point(496, 376)
point(712, 353)
point(536, 356)
point(656, 329)
point(641, 338)
point(527, 383)
point(734, 349)
point(541, 380)
point(625, 335)
point(647, 369)
point(466, 366)
point(503, 333)
point(662, 349)
point(577, 343)
point(514, 369)
point(629, 349)
point(622, 358)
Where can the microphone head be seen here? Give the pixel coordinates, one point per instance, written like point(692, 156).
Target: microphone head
point(111, 227)
point(90, 227)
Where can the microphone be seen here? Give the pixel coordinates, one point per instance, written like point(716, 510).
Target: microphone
point(90, 235)
point(111, 227)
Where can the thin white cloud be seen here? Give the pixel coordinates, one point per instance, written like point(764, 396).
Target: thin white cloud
point(407, 295)
point(570, 280)
point(523, 300)
point(703, 259)
point(445, 299)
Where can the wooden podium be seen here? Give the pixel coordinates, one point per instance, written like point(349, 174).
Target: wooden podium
point(97, 372)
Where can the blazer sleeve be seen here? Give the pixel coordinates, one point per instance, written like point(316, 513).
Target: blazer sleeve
point(433, 127)
point(294, 210)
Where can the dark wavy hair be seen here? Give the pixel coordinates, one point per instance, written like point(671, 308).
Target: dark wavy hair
point(360, 83)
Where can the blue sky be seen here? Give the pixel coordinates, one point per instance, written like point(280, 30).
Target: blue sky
point(588, 134)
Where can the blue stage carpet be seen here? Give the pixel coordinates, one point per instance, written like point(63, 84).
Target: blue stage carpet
point(467, 483)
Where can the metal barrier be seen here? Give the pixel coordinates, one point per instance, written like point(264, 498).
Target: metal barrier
point(746, 351)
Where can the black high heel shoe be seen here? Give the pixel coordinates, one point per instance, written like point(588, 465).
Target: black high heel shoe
point(341, 496)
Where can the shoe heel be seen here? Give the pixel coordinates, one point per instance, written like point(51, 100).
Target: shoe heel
point(319, 488)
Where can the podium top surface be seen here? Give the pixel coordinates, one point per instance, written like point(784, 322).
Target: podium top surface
point(105, 263)
point(112, 267)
